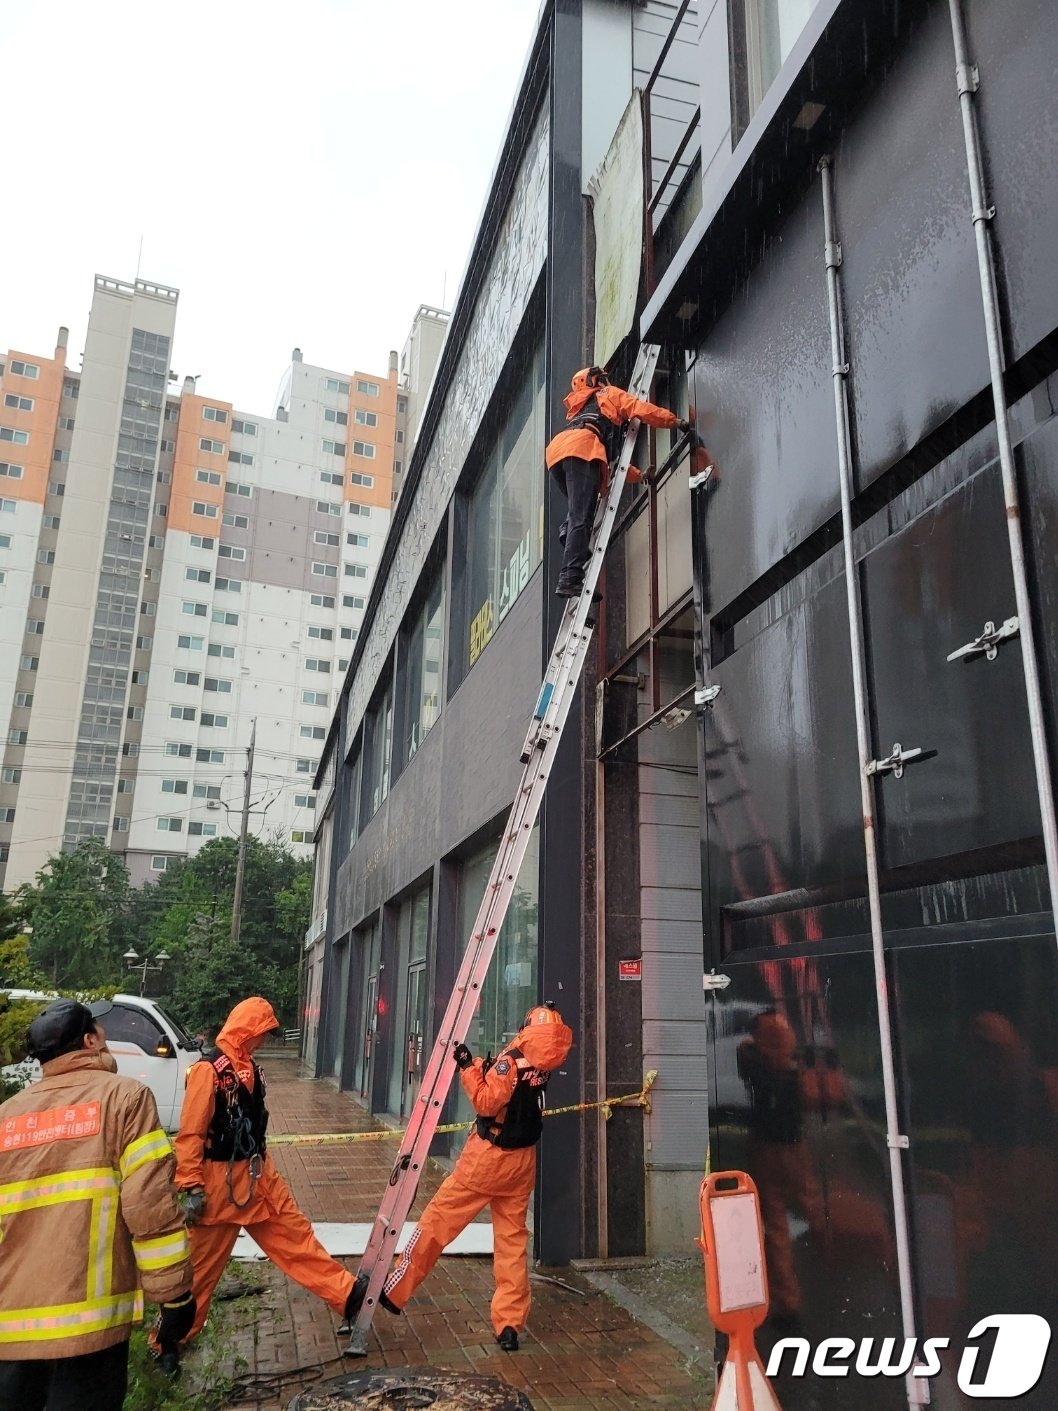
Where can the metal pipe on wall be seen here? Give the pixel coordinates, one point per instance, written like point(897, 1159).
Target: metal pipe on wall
point(917, 1390)
point(602, 1213)
point(967, 79)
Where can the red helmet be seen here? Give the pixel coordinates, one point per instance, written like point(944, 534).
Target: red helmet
point(589, 377)
point(545, 1013)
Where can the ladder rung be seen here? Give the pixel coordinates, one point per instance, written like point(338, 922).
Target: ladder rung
point(548, 721)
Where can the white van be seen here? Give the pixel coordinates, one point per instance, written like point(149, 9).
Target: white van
point(148, 1044)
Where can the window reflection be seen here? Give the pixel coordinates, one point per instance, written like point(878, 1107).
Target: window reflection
point(505, 522)
point(772, 28)
point(422, 668)
point(510, 987)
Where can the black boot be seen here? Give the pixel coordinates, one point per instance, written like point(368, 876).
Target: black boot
point(568, 587)
point(355, 1302)
point(508, 1340)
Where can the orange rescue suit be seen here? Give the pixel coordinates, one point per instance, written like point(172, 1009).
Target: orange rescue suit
point(235, 1199)
point(488, 1175)
point(617, 406)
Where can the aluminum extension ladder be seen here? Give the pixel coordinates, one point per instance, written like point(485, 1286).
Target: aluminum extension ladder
point(538, 754)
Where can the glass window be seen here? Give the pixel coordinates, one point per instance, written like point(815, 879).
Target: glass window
point(422, 668)
point(379, 749)
point(354, 807)
point(772, 28)
point(133, 1027)
point(506, 517)
point(510, 987)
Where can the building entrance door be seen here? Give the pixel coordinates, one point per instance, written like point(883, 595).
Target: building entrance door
point(414, 1023)
point(372, 968)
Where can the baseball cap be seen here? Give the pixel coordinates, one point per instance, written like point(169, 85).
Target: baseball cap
point(62, 1026)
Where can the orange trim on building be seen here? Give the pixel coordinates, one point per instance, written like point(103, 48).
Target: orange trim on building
point(189, 458)
point(41, 423)
point(383, 436)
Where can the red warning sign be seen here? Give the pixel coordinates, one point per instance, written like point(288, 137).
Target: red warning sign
point(630, 970)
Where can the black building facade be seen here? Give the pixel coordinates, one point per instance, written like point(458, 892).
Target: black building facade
point(970, 960)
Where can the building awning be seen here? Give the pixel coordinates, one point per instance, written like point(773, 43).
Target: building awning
point(844, 49)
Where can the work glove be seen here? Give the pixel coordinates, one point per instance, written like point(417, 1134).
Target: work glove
point(684, 425)
point(462, 1055)
point(193, 1204)
point(174, 1322)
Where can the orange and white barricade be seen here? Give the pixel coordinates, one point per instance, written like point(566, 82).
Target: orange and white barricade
point(736, 1287)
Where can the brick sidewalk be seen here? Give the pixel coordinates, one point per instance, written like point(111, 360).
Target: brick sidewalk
point(579, 1352)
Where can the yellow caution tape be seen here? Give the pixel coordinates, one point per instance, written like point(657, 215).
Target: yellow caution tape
point(606, 1106)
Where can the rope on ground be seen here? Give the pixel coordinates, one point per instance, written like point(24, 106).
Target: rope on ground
point(270, 1386)
point(640, 1099)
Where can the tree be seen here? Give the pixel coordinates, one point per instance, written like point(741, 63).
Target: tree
point(210, 975)
point(17, 971)
point(76, 914)
point(82, 915)
point(12, 917)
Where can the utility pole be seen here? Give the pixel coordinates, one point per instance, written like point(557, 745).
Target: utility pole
point(240, 871)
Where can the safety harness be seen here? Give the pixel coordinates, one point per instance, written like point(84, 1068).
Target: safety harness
point(523, 1120)
point(240, 1121)
point(591, 418)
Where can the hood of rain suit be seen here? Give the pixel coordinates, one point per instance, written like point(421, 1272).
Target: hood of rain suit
point(574, 401)
point(775, 1040)
point(545, 1045)
point(248, 1020)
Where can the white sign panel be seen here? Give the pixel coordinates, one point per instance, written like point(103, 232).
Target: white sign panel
point(616, 190)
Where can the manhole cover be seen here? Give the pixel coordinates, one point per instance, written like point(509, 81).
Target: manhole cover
point(411, 1389)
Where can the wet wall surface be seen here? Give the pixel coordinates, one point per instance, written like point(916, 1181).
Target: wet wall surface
point(972, 963)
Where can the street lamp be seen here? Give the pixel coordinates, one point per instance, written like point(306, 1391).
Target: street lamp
point(133, 962)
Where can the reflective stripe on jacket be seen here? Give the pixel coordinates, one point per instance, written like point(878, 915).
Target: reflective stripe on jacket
point(89, 1223)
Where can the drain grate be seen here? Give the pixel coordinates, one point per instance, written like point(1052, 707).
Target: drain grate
point(411, 1389)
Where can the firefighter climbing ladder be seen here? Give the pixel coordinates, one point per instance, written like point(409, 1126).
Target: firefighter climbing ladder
point(538, 753)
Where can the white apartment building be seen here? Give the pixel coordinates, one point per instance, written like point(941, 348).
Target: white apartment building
point(171, 570)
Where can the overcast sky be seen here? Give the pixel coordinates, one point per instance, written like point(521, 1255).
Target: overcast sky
point(305, 174)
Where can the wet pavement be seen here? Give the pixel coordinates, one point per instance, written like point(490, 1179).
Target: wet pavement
point(582, 1348)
